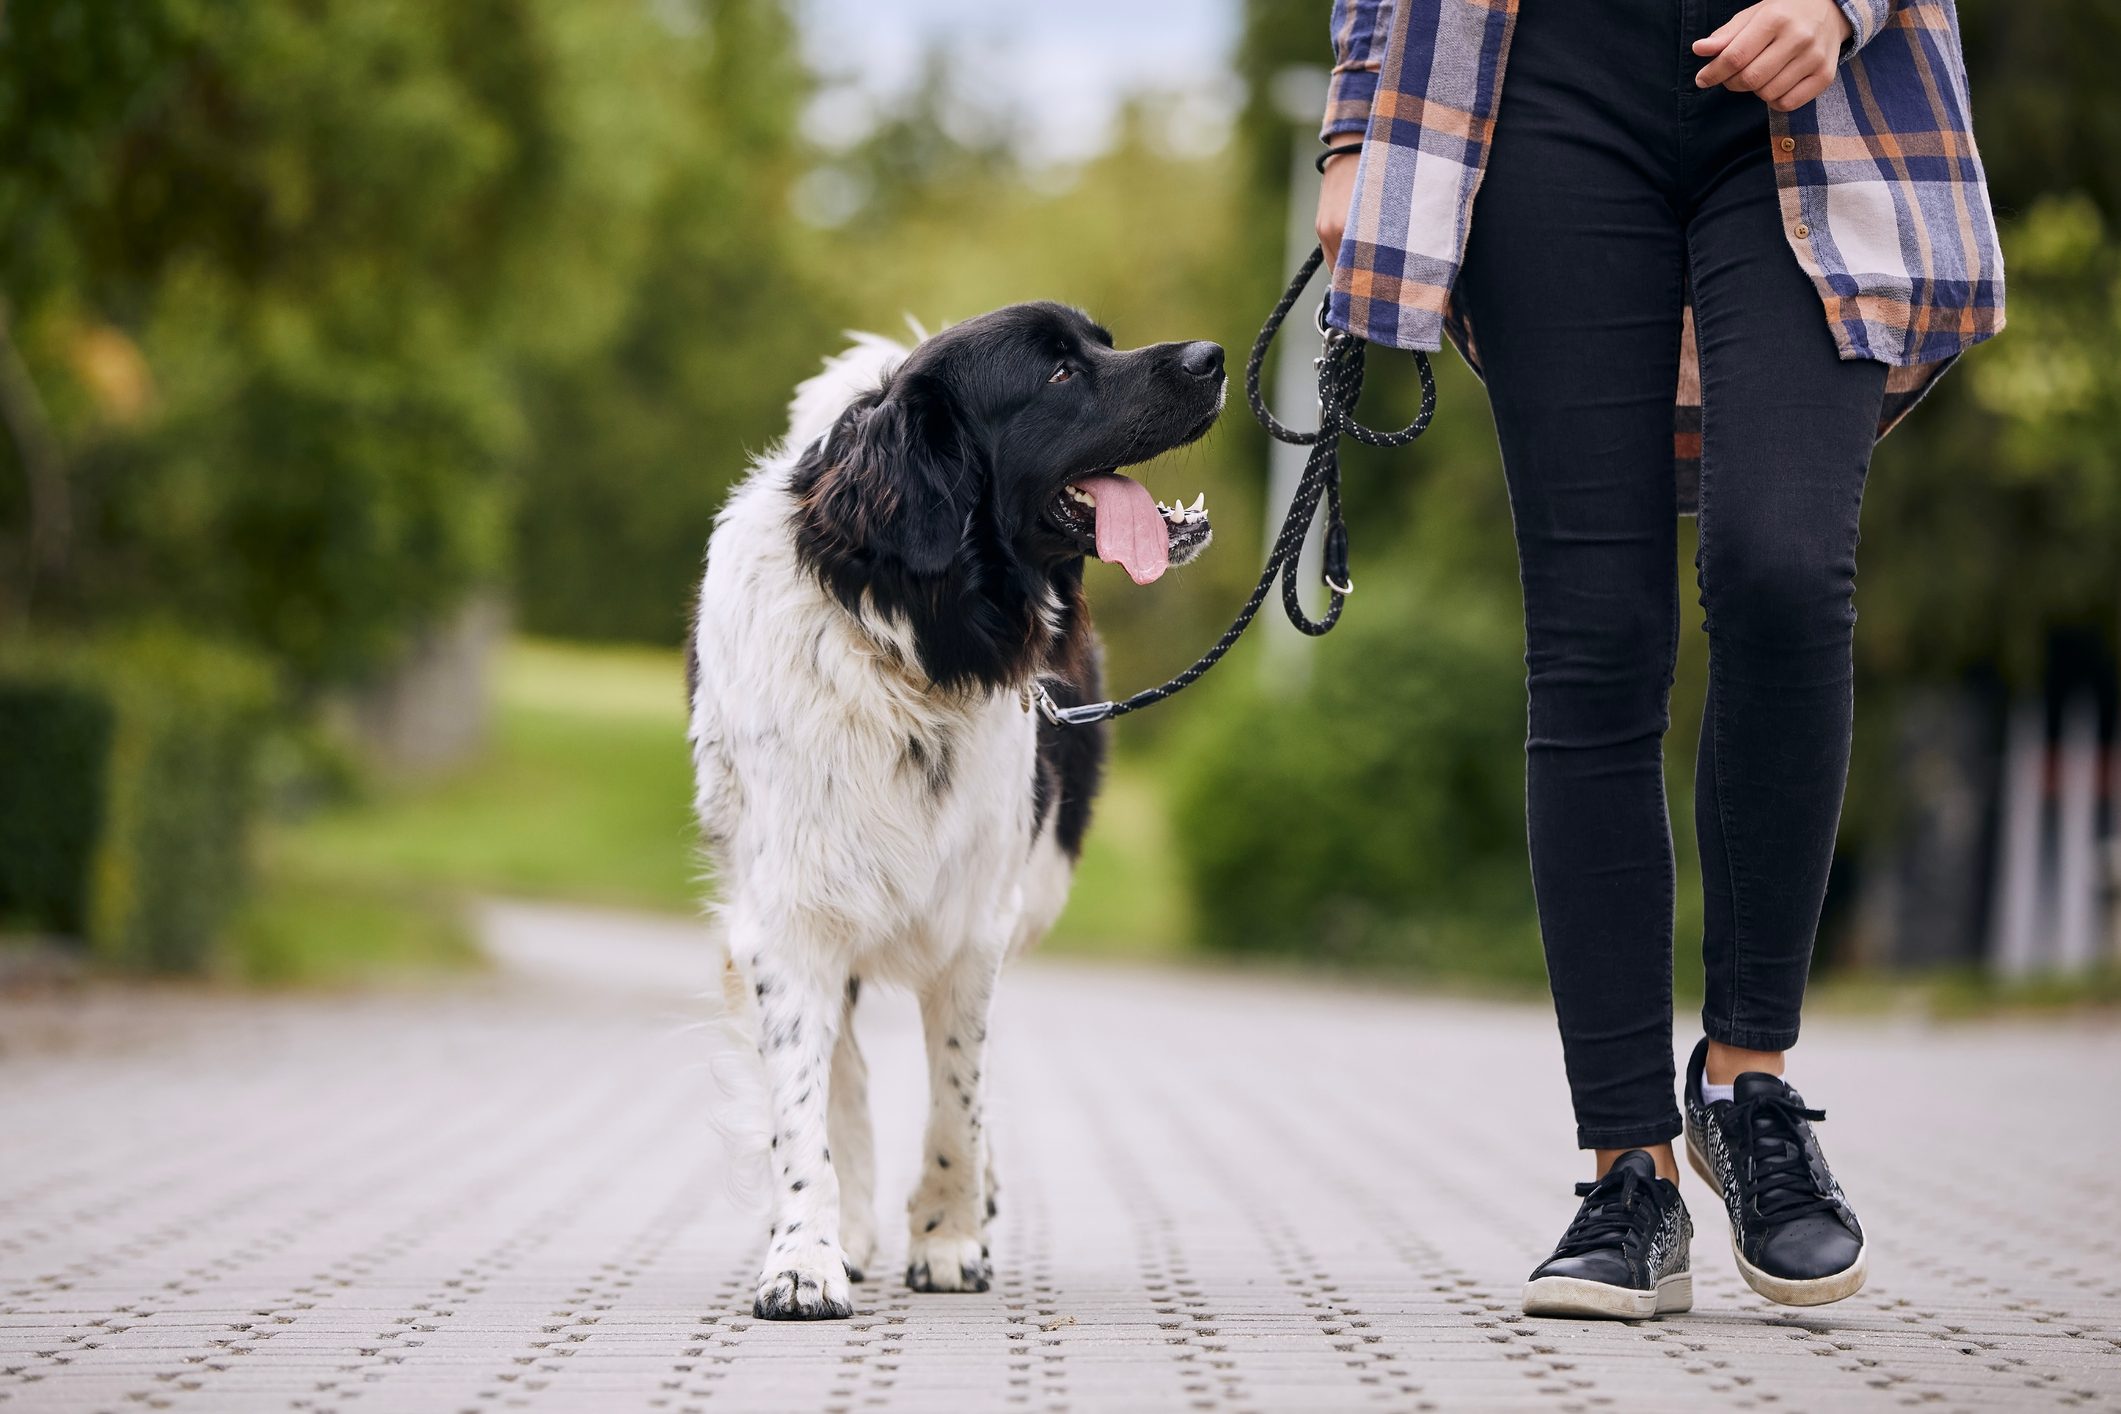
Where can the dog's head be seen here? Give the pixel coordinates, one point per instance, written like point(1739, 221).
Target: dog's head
point(965, 493)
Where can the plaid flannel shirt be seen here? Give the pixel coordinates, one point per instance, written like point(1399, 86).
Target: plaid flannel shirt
point(1883, 199)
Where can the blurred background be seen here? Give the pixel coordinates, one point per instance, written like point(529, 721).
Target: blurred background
point(371, 371)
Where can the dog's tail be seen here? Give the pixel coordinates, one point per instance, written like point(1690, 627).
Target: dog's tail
point(739, 1115)
point(822, 397)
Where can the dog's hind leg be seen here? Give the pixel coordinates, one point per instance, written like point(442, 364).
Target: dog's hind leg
point(853, 1143)
point(994, 1186)
point(947, 1250)
point(800, 1000)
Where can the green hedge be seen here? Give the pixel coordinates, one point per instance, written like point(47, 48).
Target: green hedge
point(54, 740)
point(1375, 816)
point(127, 793)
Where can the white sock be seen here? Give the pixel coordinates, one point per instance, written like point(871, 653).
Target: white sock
point(1710, 1094)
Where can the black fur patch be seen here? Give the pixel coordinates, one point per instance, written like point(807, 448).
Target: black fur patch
point(890, 525)
point(1071, 760)
point(933, 760)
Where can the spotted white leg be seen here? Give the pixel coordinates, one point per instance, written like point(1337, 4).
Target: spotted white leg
point(853, 1144)
point(947, 1248)
point(804, 1276)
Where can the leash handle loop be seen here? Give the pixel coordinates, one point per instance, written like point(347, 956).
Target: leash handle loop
point(1340, 380)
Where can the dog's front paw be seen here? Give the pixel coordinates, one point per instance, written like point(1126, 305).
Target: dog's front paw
point(804, 1288)
point(938, 1262)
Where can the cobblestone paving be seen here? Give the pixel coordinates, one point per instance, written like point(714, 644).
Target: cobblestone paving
point(1217, 1194)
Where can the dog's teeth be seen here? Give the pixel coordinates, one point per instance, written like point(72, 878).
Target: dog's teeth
point(1199, 502)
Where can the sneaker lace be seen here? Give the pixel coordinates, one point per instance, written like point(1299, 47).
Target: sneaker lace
point(1614, 1214)
point(1778, 1172)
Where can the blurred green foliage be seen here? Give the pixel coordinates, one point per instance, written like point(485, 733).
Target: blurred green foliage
point(726, 305)
point(298, 286)
point(1993, 517)
point(1375, 811)
point(130, 775)
point(51, 800)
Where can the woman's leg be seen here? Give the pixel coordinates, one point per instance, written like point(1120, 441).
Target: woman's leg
point(1574, 281)
point(1787, 430)
point(1787, 433)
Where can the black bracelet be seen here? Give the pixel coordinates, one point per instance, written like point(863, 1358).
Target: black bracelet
point(1332, 152)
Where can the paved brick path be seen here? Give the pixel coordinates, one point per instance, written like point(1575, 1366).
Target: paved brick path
point(1217, 1194)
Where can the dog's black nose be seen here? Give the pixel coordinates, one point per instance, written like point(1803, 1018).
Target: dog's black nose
point(1202, 359)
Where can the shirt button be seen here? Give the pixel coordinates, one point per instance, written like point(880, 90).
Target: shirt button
point(1789, 144)
point(1803, 230)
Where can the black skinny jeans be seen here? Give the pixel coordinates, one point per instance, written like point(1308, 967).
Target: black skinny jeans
point(1615, 192)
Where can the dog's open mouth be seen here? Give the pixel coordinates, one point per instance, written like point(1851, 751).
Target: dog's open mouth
point(1115, 518)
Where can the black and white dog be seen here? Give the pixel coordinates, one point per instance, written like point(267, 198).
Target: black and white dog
point(878, 796)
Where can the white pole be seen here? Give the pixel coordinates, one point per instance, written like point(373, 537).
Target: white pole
point(1300, 96)
point(2077, 838)
point(2113, 852)
point(2015, 927)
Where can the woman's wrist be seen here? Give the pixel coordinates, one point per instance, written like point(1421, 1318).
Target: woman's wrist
point(1349, 145)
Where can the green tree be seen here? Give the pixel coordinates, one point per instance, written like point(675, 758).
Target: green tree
point(278, 273)
point(630, 453)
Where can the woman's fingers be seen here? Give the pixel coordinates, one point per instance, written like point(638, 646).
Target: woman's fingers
point(1772, 49)
point(1739, 48)
point(1776, 91)
point(1807, 89)
point(1713, 42)
point(1767, 65)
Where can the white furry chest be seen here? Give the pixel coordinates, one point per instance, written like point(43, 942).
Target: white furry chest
point(831, 787)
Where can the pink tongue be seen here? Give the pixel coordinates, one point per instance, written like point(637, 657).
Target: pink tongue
point(1130, 530)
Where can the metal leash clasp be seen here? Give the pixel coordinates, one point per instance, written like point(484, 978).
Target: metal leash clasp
point(1061, 716)
point(1330, 340)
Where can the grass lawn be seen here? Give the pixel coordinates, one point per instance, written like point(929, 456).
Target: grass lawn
point(298, 929)
point(585, 796)
point(584, 793)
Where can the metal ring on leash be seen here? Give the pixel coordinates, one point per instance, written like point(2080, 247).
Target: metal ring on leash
point(1340, 377)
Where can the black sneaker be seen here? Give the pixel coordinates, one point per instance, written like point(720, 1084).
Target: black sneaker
point(1625, 1254)
point(1796, 1239)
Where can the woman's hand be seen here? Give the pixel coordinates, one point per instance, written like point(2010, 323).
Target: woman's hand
point(1336, 194)
point(1784, 50)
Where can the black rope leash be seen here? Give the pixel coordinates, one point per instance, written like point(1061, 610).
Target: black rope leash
point(1340, 375)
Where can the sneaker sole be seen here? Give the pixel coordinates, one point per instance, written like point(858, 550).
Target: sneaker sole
point(1574, 1296)
point(1786, 1291)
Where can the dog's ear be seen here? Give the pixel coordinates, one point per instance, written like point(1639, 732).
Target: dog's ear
point(895, 479)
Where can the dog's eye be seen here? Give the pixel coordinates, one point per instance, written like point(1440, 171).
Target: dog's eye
point(1061, 374)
